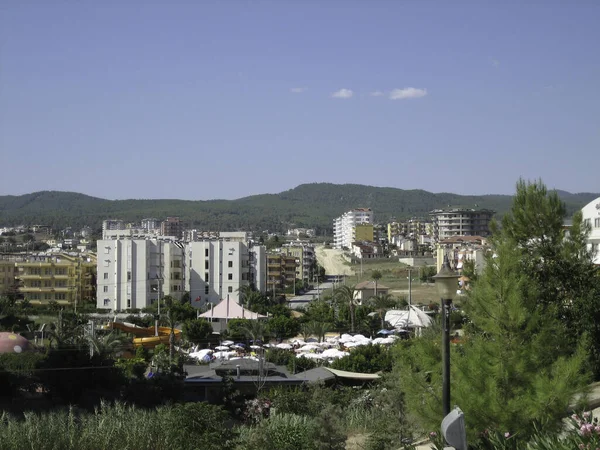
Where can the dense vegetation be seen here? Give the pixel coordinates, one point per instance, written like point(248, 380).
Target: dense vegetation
point(308, 205)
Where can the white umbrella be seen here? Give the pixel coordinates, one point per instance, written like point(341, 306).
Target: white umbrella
point(255, 347)
point(312, 339)
point(298, 341)
point(309, 348)
point(223, 355)
point(284, 346)
point(334, 353)
point(333, 340)
point(326, 344)
point(222, 347)
point(346, 338)
point(236, 346)
point(227, 343)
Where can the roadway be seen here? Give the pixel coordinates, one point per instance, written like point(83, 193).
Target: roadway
point(300, 301)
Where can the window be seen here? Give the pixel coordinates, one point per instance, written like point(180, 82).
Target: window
point(588, 222)
point(105, 288)
point(206, 289)
point(106, 301)
point(597, 222)
point(47, 296)
point(106, 262)
point(206, 264)
point(129, 303)
point(106, 250)
point(106, 275)
point(230, 264)
point(206, 252)
point(230, 276)
point(60, 296)
point(206, 280)
point(49, 271)
point(230, 289)
point(129, 276)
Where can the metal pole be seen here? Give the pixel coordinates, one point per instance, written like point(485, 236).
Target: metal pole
point(446, 355)
point(409, 288)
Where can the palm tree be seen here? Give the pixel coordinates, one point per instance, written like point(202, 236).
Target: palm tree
point(254, 330)
point(108, 345)
point(319, 329)
point(346, 295)
point(376, 276)
point(382, 303)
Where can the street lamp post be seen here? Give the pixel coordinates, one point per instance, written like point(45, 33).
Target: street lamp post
point(446, 284)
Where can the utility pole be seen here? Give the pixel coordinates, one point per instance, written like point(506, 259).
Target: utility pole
point(409, 287)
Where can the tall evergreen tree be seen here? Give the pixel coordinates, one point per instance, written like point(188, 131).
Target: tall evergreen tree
point(556, 259)
point(526, 349)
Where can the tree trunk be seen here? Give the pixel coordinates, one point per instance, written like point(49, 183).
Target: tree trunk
point(352, 319)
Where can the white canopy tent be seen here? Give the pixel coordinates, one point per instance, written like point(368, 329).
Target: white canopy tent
point(413, 317)
point(230, 309)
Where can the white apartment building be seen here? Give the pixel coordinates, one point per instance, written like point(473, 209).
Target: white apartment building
point(132, 273)
point(448, 223)
point(218, 269)
point(591, 216)
point(343, 226)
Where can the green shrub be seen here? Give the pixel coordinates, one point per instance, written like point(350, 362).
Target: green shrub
point(366, 359)
point(279, 356)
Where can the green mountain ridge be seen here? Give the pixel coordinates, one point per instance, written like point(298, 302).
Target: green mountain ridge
point(312, 205)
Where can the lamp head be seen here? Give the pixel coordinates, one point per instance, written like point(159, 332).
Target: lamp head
point(446, 281)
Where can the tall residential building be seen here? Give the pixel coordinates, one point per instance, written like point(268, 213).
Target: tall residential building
point(344, 226)
point(460, 222)
point(591, 216)
point(219, 268)
point(281, 271)
point(134, 273)
point(306, 260)
point(171, 227)
point(63, 278)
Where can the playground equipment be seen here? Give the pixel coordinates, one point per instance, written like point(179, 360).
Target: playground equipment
point(145, 337)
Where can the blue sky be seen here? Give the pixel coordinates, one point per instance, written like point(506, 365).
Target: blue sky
point(223, 99)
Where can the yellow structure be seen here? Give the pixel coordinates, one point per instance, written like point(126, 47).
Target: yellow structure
point(281, 271)
point(363, 232)
point(7, 276)
point(66, 279)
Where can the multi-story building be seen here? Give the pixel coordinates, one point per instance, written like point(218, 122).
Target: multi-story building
point(411, 227)
point(344, 226)
point(8, 272)
point(66, 279)
point(134, 273)
point(460, 222)
point(591, 216)
point(219, 268)
point(460, 249)
point(150, 224)
point(171, 227)
point(306, 260)
point(112, 224)
point(281, 271)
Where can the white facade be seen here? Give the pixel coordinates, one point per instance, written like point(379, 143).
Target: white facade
point(591, 216)
point(343, 226)
point(132, 272)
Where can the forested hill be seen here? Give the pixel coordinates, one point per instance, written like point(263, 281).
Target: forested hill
point(308, 205)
